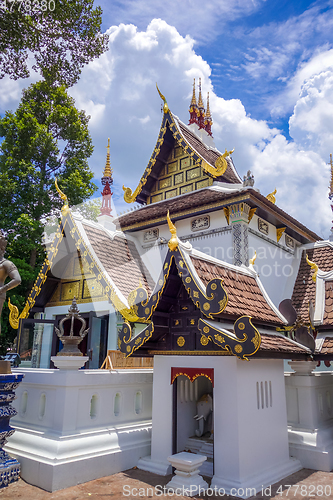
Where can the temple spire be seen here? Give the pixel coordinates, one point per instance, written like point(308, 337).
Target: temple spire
point(107, 169)
point(107, 181)
point(208, 118)
point(201, 109)
point(193, 107)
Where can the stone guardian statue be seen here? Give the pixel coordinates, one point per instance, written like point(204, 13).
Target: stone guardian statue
point(7, 269)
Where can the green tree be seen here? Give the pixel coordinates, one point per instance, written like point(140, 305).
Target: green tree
point(46, 137)
point(61, 35)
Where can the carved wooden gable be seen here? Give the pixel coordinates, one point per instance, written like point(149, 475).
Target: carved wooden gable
point(178, 176)
point(79, 282)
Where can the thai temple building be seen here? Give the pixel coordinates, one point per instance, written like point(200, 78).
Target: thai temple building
point(214, 285)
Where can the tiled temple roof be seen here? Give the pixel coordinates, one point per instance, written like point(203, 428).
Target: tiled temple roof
point(280, 344)
point(305, 287)
point(244, 294)
point(209, 155)
point(120, 260)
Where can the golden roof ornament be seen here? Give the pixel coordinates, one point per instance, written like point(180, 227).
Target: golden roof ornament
point(221, 165)
point(279, 232)
point(165, 106)
point(194, 99)
point(208, 115)
point(200, 101)
point(173, 242)
point(314, 267)
point(107, 170)
point(251, 261)
point(271, 197)
point(65, 207)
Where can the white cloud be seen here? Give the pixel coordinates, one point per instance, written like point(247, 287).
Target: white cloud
point(201, 19)
point(118, 91)
point(124, 83)
point(311, 124)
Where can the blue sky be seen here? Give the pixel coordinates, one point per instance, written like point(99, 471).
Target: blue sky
point(268, 66)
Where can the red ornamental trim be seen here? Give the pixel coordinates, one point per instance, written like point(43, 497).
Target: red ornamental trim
point(192, 373)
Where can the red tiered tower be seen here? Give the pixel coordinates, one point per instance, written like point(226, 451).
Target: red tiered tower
point(193, 107)
point(107, 181)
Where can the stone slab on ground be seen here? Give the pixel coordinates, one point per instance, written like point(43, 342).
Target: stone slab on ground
point(305, 485)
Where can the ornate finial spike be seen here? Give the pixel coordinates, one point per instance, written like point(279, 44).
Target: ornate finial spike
point(271, 197)
point(173, 242)
point(314, 267)
point(251, 261)
point(65, 207)
point(165, 106)
point(194, 99)
point(107, 174)
point(200, 101)
point(208, 115)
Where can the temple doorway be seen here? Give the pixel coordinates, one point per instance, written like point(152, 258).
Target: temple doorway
point(193, 418)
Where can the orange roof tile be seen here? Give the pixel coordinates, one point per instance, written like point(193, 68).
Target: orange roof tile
point(120, 259)
point(305, 287)
point(244, 294)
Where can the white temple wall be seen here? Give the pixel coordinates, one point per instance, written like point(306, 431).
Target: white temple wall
point(274, 265)
point(250, 443)
point(310, 415)
point(75, 426)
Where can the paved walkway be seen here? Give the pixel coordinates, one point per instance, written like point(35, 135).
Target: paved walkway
point(135, 484)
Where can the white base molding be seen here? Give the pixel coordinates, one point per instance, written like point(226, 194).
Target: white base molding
point(314, 449)
point(252, 485)
point(154, 466)
point(56, 462)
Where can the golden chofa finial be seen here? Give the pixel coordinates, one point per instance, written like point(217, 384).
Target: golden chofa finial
point(165, 106)
point(65, 207)
point(271, 197)
point(314, 267)
point(251, 261)
point(173, 242)
point(107, 170)
point(194, 99)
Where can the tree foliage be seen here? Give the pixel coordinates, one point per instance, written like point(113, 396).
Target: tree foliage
point(62, 36)
point(46, 137)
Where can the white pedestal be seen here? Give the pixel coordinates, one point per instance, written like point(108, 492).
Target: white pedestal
point(187, 479)
point(69, 362)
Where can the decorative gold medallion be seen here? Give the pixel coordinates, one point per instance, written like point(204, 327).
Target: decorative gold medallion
point(238, 348)
point(206, 306)
point(204, 340)
point(180, 341)
point(188, 280)
point(206, 329)
point(147, 310)
point(241, 326)
point(214, 286)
